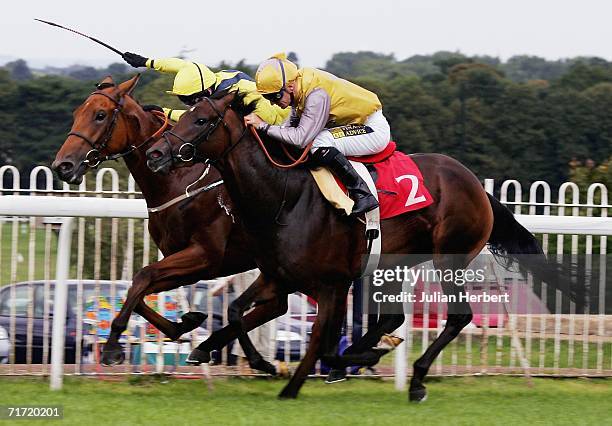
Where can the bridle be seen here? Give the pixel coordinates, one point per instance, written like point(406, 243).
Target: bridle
point(93, 158)
point(187, 150)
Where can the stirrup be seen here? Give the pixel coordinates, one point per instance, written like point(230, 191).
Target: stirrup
point(372, 204)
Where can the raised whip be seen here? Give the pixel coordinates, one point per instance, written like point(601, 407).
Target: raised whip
point(81, 34)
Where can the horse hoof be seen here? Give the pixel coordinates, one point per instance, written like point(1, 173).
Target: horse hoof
point(417, 395)
point(192, 320)
point(335, 376)
point(112, 357)
point(262, 365)
point(197, 357)
point(287, 395)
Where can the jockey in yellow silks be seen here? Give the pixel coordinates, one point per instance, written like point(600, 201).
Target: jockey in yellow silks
point(194, 81)
point(339, 117)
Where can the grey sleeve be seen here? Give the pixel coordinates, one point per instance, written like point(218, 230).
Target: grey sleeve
point(312, 121)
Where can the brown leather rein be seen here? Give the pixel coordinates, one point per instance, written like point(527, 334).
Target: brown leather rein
point(159, 131)
point(302, 158)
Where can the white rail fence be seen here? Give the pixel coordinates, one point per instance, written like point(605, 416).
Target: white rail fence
point(111, 241)
point(547, 344)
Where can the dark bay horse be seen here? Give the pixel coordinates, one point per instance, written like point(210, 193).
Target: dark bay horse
point(302, 244)
point(197, 236)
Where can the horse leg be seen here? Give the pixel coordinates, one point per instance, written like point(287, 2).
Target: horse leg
point(361, 352)
point(189, 321)
point(270, 302)
point(234, 313)
point(169, 273)
point(459, 315)
point(325, 335)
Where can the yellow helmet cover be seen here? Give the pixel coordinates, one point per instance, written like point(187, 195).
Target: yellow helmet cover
point(273, 74)
point(191, 79)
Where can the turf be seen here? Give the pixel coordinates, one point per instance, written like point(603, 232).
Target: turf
point(500, 355)
point(472, 400)
point(22, 248)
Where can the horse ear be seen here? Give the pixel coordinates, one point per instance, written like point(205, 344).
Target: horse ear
point(107, 82)
point(127, 87)
point(228, 99)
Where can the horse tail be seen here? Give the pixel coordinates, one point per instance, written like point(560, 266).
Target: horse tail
point(511, 244)
point(509, 237)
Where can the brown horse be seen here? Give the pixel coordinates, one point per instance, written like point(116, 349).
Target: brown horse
point(303, 244)
point(197, 236)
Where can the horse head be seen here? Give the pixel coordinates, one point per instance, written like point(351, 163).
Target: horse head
point(208, 131)
point(101, 130)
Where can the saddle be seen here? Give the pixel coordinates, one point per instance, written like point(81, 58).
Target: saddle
point(398, 180)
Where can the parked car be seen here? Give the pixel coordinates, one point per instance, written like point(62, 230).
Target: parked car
point(294, 328)
point(197, 297)
point(292, 331)
point(4, 346)
point(21, 303)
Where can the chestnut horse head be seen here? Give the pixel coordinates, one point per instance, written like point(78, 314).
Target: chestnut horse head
point(103, 129)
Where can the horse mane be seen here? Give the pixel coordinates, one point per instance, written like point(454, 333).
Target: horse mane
point(237, 105)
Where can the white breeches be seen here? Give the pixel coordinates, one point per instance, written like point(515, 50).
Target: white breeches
point(358, 141)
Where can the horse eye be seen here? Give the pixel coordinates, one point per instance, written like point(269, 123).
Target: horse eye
point(100, 116)
point(200, 122)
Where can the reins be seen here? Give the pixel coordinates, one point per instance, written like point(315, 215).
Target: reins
point(154, 136)
point(301, 159)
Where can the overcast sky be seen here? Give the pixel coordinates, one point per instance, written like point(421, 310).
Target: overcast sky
point(315, 29)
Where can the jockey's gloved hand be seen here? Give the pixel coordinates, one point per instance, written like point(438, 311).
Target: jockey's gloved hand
point(134, 59)
point(152, 108)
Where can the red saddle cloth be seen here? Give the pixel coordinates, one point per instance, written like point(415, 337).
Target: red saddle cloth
point(399, 183)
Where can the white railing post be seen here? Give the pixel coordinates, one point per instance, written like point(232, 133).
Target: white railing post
point(518, 194)
point(403, 349)
point(60, 304)
point(489, 185)
point(401, 368)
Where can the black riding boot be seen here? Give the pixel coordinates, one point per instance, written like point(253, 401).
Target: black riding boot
point(358, 190)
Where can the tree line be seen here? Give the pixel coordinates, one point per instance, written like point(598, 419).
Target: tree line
point(526, 118)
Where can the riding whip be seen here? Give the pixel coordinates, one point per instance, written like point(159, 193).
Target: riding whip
point(81, 34)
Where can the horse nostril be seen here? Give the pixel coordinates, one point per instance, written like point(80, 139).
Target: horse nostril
point(154, 155)
point(65, 167)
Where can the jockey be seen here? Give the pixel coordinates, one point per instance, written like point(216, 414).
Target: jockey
point(195, 81)
point(340, 117)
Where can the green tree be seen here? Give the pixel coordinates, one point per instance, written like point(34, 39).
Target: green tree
point(40, 113)
point(586, 73)
point(19, 70)
point(241, 65)
point(522, 68)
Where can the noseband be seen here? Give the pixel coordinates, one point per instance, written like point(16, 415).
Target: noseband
point(187, 150)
